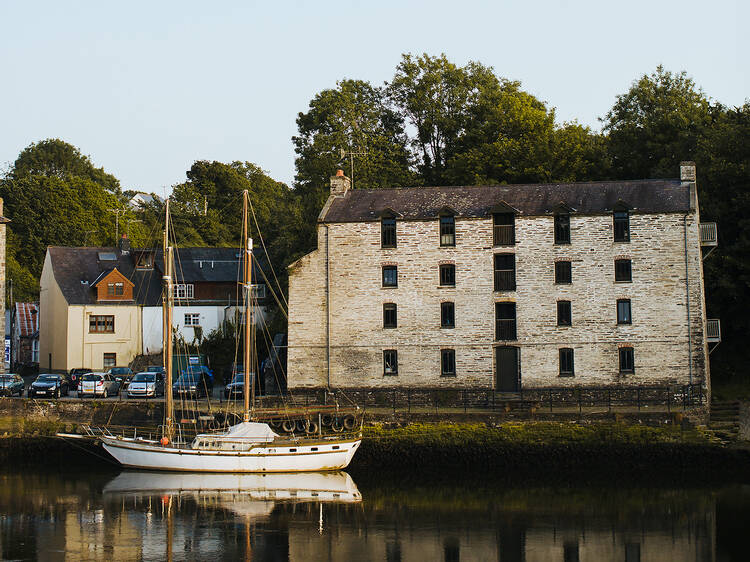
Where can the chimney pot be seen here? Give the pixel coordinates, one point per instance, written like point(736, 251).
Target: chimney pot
point(339, 173)
point(340, 184)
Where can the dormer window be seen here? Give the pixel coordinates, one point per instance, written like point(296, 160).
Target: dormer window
point(144, 260)
point(621, 222)
point(562, 229)
point(115, 289)
point(183, 291)
point(447, 231)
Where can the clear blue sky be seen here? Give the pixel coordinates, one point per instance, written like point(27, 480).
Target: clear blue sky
point(146, 88)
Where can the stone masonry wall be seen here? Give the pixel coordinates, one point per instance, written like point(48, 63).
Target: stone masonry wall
point(659, 332)
point(2, 280)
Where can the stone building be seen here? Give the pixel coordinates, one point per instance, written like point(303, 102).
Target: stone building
point(502, 287)
point(3, 222)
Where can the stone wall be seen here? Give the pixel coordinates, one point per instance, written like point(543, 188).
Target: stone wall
point(667, 350)
point(2, 279)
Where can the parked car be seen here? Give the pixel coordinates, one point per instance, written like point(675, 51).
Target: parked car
point(199, 370)
point(146, 385)
point(49, 385)
point(11, 384)
point(98, 384)
point(122, 375)
point(236, 388)
point(75, 376)
point(195, 383)
point(156, 369)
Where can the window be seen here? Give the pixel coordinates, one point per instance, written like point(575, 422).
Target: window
point(448, 275)
point(566, 362)
point(258, 291)
point(115, 289)
point(623, 271)
point(183, 291)
point(503, 229)
point(448, 362)
point(622, 226)
point(563, 273)
point(192, 319)
point(390, 276)
point(627, 360)
point(623, 312)
point(389, 315)
point(388, 233)
point(110, 360)
point(505, 320)
point(447, 315)
point(447, 231)
point(564, 317)
point(562, 229)
point(101, 324)
point(390, 362)
point(505, 272)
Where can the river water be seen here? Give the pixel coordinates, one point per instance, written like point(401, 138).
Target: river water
point(150, 516)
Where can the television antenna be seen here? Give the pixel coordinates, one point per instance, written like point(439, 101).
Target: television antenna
point(351, 155)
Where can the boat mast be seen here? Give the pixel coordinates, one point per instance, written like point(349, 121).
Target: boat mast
point(247, 280)
point(167, 301)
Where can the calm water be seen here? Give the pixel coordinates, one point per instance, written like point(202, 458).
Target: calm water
point(134, 516)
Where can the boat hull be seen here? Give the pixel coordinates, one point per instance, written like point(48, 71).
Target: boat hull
point(263, 458)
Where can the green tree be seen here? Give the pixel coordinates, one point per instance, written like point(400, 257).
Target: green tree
point(54, 158)
point(353, 117)
point(656, 124)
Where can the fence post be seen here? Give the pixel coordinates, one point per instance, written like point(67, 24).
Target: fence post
point(394, 400)
point(435, 398)
point(669, 400)
point(579, 401)
point(638, 397)
point(464, 392)
point(408, 400)
point(609, 400)
point(550, 400)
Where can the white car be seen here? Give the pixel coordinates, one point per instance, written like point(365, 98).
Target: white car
point(146, 385)
point(98, 384)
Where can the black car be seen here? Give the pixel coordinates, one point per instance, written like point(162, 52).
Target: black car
point(192, 384)
point(49, 385)
point(75, 376)
point(236, 388)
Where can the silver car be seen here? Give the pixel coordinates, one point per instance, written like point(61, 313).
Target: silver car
point(146, 385)
point(98, 384)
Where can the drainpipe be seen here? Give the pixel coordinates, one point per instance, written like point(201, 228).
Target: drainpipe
point(328, 314)
point(687, 303)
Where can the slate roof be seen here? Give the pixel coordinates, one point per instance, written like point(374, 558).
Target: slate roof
point(76, 270)
point(419, 203)
point(27, 319)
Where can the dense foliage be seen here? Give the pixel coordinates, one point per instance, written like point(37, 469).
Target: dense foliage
point(434, 123)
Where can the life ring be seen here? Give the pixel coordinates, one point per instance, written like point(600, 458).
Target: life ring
point(349, 422)
point(336, 425)
point(287, 426)
point(302, 425)
point(312, 427)
point(326, 419)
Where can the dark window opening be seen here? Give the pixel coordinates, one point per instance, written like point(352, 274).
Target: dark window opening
point(448, 275)
point(109, 360)
point(566, 362)
point(390, 362)
point(101, 324)
point(447, 315)
point(627, 360)
point(447, 231)
point(622, 226)
point(564, 316)
point(503, 229)
point(390, 276)
point(562, 229)
point(624, 315)
point(623, 270)
point(388, 233)
point(505, 321)
point(389, 315)
point(448, 362)
point(563, 272)
point(505, 272)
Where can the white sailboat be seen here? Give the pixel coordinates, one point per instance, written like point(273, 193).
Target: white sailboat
point(247, 447)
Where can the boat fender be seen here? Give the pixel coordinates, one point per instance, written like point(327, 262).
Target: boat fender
point(302, 425)
point(336, 425)
point(312, 427)
point(326, 420)
point(349, 422)
point(164, 441)
point(287, 426)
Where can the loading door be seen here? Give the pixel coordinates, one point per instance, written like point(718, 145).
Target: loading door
point(508, 372)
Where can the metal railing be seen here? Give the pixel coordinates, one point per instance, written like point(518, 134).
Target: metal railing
point(709, 235)
point(713, 331)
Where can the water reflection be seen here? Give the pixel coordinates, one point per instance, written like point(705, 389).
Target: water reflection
point(158, 516)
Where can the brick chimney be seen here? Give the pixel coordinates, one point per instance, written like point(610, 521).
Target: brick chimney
point(124, 245)
point(687, 171)
point(340, 184)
